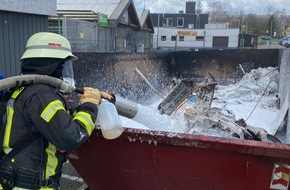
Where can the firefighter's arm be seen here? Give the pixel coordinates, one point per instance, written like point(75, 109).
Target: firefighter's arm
point(48, 114)
point(89, 100)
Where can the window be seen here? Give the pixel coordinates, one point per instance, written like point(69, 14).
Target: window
point(173, 38)
point(167, 22)
point(199, 38)
point(181, 38)
point(163, 38)
point(180, 22)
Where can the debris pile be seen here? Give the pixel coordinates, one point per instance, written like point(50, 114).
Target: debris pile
point(245, 110)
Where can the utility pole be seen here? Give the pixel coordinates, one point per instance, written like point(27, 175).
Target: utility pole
point(241, 31)
point(158, 30)
point(175, 42)
point(271, 31)
point(58, 23)
point(204, 32)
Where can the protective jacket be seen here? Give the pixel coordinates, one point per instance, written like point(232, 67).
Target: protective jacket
point(42, 111)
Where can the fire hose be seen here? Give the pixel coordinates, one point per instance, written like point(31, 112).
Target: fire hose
point(124, 107)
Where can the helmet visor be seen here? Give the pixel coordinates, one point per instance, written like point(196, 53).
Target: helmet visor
point(68, 73)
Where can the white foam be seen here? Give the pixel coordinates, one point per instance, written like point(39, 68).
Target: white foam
point(253, 98)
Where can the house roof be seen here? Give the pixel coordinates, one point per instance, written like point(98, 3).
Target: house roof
point(104, 6)
point(87, 10)
point(145, 20)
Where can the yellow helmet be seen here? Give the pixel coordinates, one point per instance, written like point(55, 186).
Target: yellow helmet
point(48, 45)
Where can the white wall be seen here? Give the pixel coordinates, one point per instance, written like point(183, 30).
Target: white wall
point(190, 41)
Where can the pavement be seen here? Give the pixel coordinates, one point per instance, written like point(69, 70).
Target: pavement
point(70, 179)
point(273, 44)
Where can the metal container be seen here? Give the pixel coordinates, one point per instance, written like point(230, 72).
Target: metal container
point(145, 159)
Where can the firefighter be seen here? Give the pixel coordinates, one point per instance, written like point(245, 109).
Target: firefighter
point(42, 113)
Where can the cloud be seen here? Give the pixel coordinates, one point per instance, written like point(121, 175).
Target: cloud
point(247, 6)
point(161, 6)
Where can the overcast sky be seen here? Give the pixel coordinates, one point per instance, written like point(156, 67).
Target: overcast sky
point(248, 6)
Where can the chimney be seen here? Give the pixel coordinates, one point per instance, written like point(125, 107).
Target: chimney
point(190, 7)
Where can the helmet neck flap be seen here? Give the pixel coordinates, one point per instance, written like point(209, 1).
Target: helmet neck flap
point(43, 66)
point(58, 68)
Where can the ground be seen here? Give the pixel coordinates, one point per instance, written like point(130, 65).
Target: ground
point(273, 45)
point(71, 180)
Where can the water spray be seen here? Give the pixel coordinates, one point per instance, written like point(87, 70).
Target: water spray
point(124, 107)
point(147, 81)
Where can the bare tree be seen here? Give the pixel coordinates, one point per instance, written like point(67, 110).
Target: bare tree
point(269, 10)
point(235, 20)
point(281, 22)
point(253, 23)
point(218, 13)
point(269, 23)
point(271, 26)
point(199, 7)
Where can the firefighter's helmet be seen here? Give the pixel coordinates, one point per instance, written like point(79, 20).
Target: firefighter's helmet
point(48, 45)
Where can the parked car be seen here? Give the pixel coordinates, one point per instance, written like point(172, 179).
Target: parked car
point(266, 37)
point(287, 43)
point(283, 40)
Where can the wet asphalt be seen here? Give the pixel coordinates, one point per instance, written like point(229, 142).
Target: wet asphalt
point(71, 180)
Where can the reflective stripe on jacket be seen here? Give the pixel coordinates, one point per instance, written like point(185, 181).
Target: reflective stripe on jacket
point(44, 112)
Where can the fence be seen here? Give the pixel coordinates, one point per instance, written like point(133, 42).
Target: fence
point(87, 36)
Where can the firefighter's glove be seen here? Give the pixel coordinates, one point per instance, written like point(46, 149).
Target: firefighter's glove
point(92, 95)
point(106, 95)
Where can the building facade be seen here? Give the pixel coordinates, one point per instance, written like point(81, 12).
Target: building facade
point(180, 20)
point(18, 21)
point(191, 31)
point(103, 26)
point(172, 39)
